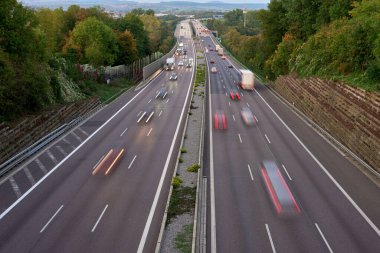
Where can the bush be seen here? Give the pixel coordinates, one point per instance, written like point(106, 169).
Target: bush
point(180, 160)
point(183, 150)
point(176, 182)
point(193, 168)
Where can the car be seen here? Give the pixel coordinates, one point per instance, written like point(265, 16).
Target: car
point(214, 70)
point(212, 61)
point(234, 94)
point(190, 63)
point(220, 120)
point(279, 192)
point(173, 76)
point(162, 93)
point(211, 49)
point(145, 115)
point(180, 63)
point(223, 57)
point(248, 117)
point(230, 66)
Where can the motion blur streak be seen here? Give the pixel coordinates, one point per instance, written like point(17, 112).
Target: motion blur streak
point(113, 163)
point(101, 163)
point(288, 190)
point(271, 191)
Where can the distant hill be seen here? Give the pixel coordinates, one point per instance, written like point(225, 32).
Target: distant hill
point(124, 6)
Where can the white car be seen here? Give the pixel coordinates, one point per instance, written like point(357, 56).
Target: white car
point(180, 63)
point(214, 70)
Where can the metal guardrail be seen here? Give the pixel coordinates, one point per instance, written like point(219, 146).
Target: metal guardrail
point(35, 147)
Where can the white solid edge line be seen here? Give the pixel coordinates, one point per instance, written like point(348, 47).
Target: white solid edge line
point(130, 165)
point(163, 175)
point(50, 220)
point(323, 237)
point(353, 203)
point(250, 172)
point(67, 157)
point(100, 217)
point(212, 183)
point(270, 239)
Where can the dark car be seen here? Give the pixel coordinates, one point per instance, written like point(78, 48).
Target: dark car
point(220, 120)
point(212, 61)
point(234, 94)
point(248, 117)
point(173, 76)
point(146, 115)
point(230, 65)
point(278, 190)
point(162, 93)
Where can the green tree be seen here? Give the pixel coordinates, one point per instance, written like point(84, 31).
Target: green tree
point(127, 48)
point(93, 42)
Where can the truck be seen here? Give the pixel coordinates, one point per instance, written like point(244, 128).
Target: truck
point(247, 79)
point(217, 47)
point(169, 65)
point(220, 51)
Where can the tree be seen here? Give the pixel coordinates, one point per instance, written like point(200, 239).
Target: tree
point(127, 48)
point(94, 43)
point(152, 27)
point(133, 23)
point(234, 17)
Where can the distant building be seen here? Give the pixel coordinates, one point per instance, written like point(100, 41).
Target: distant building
point(217, 16)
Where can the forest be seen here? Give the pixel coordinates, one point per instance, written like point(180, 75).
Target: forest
point(333, 39)
point(40, 50)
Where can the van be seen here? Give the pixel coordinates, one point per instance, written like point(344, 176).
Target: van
point(190, 63)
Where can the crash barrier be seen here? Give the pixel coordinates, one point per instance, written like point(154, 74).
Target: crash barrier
point(351, 115)
point(36, 132)
point(158, 64)
point(132, 71)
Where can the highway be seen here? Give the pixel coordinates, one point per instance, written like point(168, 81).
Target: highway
point(102, 187)
point(340, 206)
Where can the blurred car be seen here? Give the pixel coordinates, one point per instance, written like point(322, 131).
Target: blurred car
point(180, 63)
point(220, 120)
point(234, 94)
point(211, 49)
point(190, 63)
point(223, 57)
point(214, 70)
point(230, 65)
point(173, 76)
point(146, 115)
point(162, 93)
point(278, 190)
point(212, 61)
point(248, 117)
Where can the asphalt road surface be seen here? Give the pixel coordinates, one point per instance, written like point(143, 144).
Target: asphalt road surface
point(340, 207)
point(103, 187)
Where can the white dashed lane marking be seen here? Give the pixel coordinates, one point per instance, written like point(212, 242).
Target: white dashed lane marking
point(61, 150)
point(41, 166)
point(29, 176)
point(15, 187)
point(51, 156)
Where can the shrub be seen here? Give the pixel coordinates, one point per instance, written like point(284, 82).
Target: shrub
point(193, 168)
point(176, 182)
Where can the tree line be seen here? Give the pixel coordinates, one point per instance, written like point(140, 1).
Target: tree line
point(337, 39)
point(40, 47)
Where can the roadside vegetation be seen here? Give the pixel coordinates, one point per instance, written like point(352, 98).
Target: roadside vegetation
point(183, 241)
point(182, 201)
point(43, 53)
point(328, 39)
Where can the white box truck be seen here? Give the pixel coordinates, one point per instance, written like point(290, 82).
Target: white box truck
point(247, 79)
point(220, 51)
point(217, 47)
point(169, 64)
